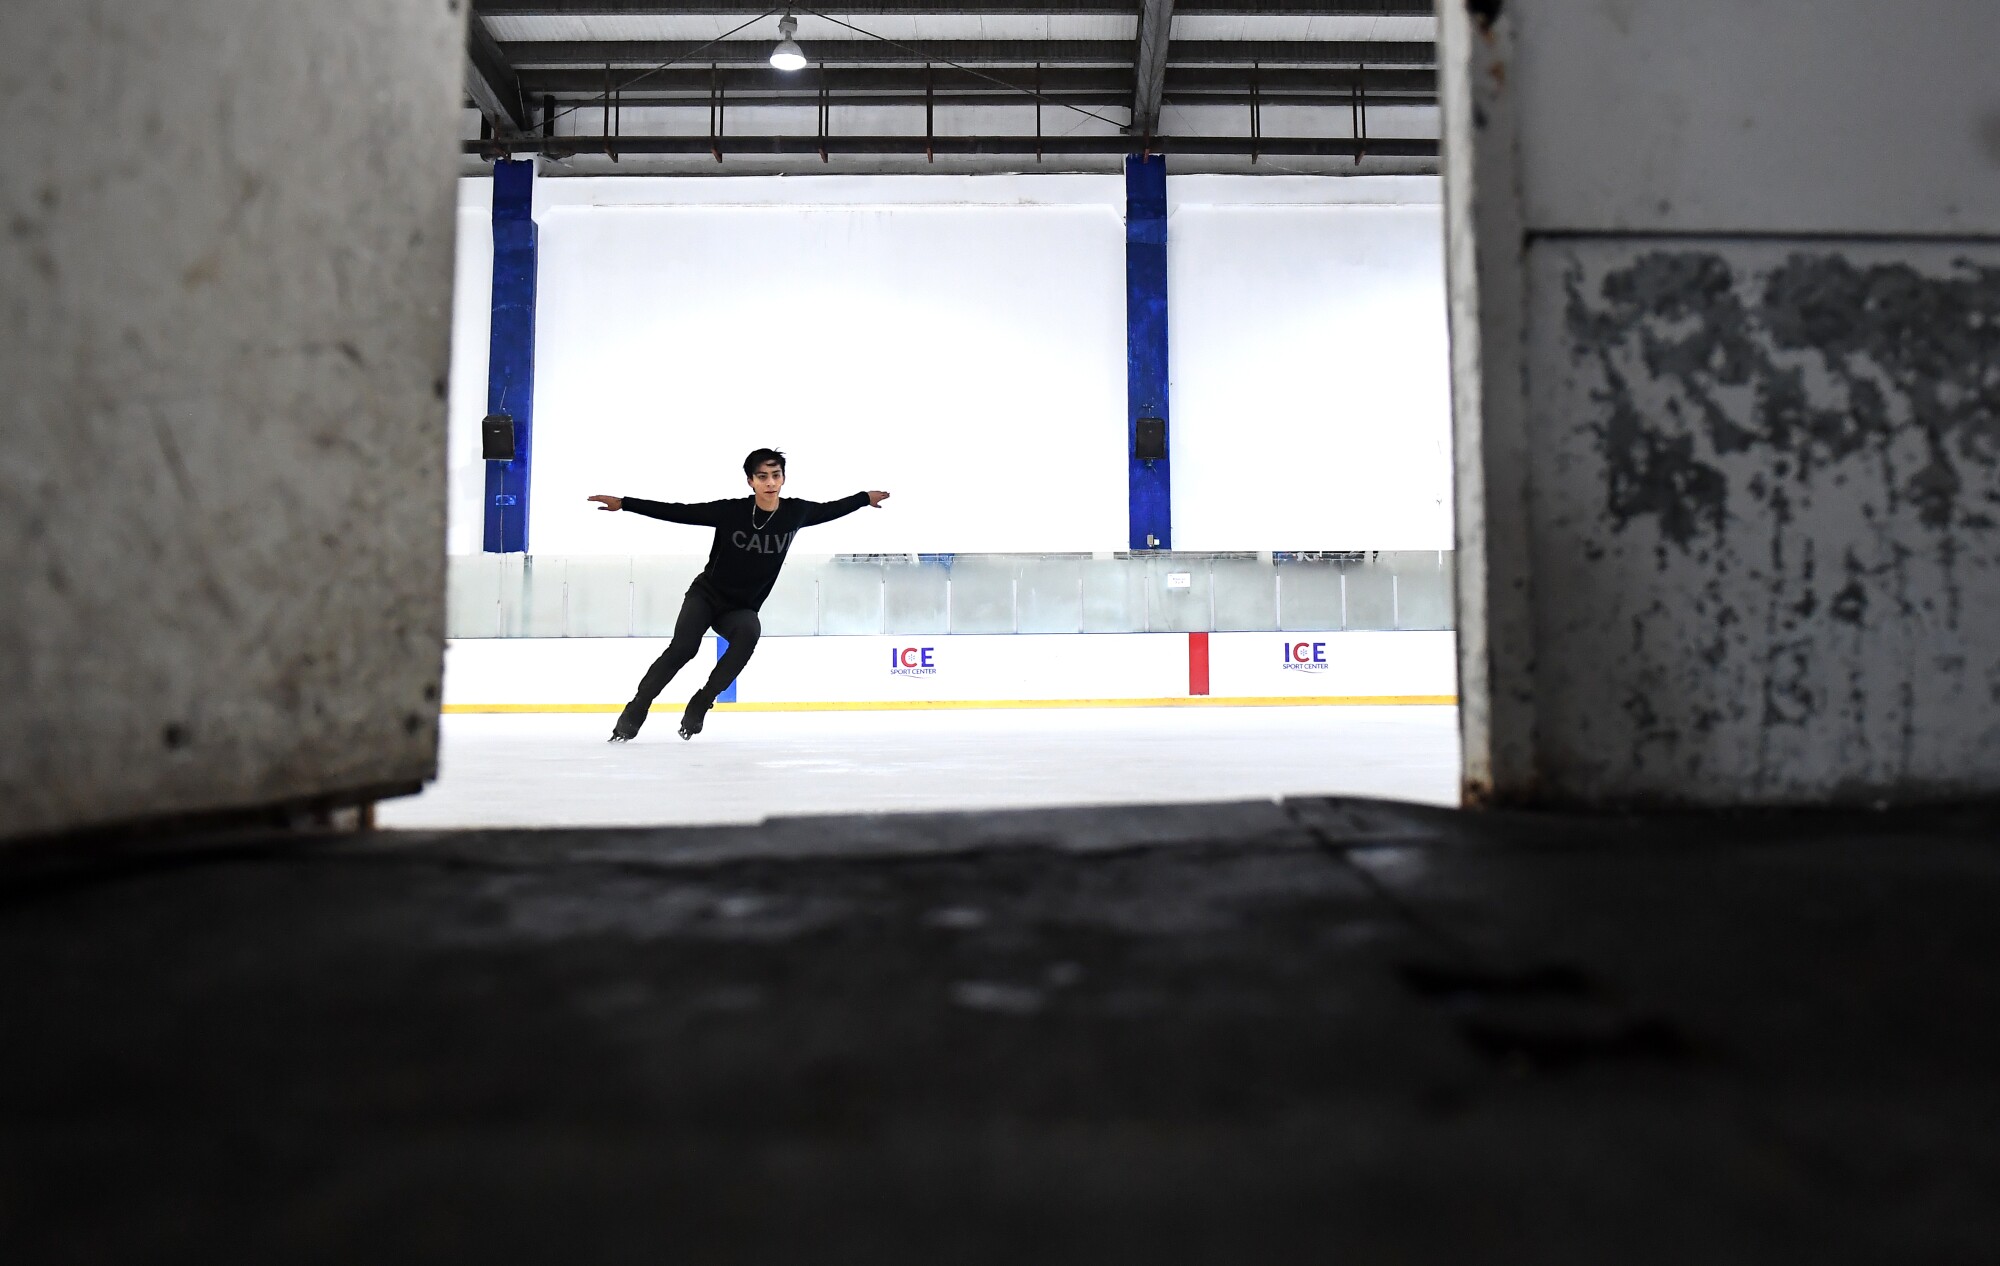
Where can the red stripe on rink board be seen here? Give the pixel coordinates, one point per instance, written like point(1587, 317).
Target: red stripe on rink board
point(1197, 663)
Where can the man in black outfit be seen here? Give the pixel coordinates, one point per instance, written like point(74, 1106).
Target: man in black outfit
point(752, 536)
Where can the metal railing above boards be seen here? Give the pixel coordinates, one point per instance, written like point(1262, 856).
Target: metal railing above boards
point(523, 595)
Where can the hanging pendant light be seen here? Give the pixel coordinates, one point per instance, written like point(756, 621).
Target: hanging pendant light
point(788, 55)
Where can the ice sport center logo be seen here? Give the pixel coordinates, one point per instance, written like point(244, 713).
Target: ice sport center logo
point(1305, 657)
point(913, 661)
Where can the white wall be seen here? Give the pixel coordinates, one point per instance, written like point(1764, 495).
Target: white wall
point(960, 341)
point(471, 319)
point(962, 353)
point(1311, 389)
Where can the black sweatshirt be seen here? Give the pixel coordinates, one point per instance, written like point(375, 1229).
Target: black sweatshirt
point(750, 546)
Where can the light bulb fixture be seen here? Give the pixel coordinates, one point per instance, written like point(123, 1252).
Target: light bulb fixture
point(788, 55)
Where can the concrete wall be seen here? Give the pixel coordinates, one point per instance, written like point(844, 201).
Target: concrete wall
point(223, 334)
point(1726, 323)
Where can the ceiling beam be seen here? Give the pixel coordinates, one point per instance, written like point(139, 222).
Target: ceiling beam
point(1313, 8)
point(751, 8)
point(1380, 84)
point(1106, 103)
point(1343, 100)
point(1149, 72)
point(783, 146)
point(644, 54)
point(491, 83)
point(975, 8)
point(1400, 80)
point(762, 77)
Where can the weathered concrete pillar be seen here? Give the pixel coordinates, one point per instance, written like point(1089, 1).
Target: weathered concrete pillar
point(225, 284)
point(1726, 369)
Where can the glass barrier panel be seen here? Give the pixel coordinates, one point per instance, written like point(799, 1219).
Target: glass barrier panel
point(916, 597)
point(792, 610)
point(984, 593)
point(1114, 596)
point(531, 596)
point(472, 595)
point(1368, 597)
point(1308, 595)
point(1048, 595)
point(599, 591)
point(1178, 595)
point(514, 595)
point(1244, 593)
point(850, 597)
point(1424, 592)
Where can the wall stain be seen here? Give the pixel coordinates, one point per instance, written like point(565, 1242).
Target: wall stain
point(1789, 698)
point(1850, 605)
point(1770, 408)
point(1706, 334)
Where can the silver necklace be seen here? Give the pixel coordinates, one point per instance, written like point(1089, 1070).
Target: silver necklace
point(756, 526)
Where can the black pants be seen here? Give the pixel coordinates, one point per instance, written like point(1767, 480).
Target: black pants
point(702, 610)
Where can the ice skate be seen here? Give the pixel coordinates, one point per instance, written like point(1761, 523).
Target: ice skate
point(697, 712)
point(627, 727)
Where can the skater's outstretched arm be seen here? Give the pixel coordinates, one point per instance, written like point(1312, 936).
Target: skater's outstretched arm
point(698, 513)
point(828, 511)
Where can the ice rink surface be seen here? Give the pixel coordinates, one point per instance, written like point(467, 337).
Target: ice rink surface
point(557, 770)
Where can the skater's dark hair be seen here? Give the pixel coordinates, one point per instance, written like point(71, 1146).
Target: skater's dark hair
point(758, 456)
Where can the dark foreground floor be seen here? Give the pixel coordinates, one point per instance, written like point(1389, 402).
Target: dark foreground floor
point(1323, 1032)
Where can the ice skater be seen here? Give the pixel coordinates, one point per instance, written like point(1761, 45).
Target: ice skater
point(752, 536)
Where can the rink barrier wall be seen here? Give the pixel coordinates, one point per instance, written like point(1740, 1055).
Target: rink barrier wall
point(844, 595)
point(980, 705)
point(893, 673)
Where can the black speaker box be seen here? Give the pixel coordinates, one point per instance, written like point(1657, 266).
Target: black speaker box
point(1150, 444)
point(496, 437)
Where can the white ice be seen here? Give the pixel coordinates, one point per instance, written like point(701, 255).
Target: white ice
point(557, 770)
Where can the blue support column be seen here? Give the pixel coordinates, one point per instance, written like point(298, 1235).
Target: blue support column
point(510, 365)
point(1150, 482)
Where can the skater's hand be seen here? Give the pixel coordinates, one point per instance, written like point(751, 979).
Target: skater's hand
point(612, 503)
point(875, 499)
